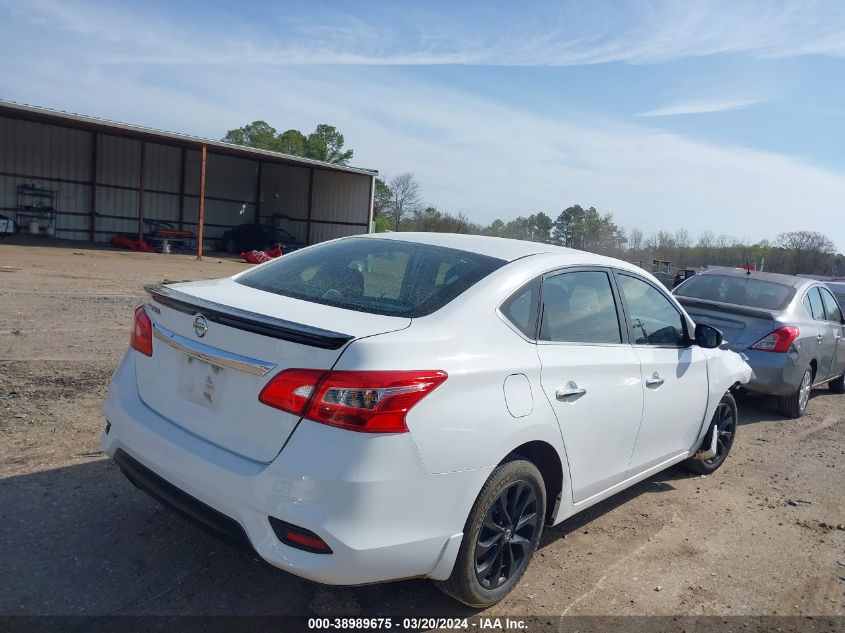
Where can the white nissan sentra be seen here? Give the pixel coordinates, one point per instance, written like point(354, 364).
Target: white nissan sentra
point(403, 405)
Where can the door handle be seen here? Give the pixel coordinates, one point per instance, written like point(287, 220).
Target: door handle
point(654, 380)
point(570, 392)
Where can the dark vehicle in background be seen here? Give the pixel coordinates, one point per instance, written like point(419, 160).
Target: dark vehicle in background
point(681, 276)
point(838, 290)
point(258, 237)
point(790, 328)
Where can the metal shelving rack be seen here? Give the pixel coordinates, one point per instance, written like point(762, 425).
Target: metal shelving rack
point(35, 203)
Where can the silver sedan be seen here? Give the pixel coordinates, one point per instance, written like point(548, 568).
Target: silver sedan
point(790, 328)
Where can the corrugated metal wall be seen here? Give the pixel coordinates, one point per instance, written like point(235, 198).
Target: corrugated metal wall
point(61, 159)
point(337, 197)
point(284, 198)
point(50, 158)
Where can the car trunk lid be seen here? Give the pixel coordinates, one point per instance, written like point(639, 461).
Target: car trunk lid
point(217, 344)
point(741, 326)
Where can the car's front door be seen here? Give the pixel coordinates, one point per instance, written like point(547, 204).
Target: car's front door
point(833, 317)
point(674, 373)
point(591, 376)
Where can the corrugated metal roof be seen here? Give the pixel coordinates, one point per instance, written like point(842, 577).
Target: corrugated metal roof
point(70, 119)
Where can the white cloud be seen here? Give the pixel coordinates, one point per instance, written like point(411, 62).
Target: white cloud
point(471, 154)
point(544, 34)
point(702, 106)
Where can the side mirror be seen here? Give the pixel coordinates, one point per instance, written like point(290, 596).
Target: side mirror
point(707, 336)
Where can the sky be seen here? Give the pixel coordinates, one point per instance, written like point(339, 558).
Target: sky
point(709, 116)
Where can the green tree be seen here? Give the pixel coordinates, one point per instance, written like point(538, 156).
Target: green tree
point(381, 198)
point(292, 142)
point(326, 144)
point(496, 228)
point(258, 134)
point(381, 224)
point(587, 229)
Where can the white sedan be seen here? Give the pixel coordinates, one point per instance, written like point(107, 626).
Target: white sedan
point(401, 405)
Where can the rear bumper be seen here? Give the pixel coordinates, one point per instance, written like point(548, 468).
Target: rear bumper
point(774, 374)
point(368, 496)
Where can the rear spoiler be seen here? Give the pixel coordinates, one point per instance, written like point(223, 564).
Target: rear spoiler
point(247, 321)
point(731, 308)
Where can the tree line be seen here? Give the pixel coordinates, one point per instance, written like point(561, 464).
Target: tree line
point(398, 205)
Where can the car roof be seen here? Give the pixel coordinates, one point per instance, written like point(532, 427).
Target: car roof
point(503, 248)
point(778, 278)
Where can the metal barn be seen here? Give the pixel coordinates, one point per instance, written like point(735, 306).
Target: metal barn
point(85, 178)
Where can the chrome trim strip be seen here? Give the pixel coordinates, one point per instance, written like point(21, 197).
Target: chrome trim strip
point(212, 355)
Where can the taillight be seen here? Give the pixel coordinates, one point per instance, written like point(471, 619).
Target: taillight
point(291, 389)
point(366, 401)
point(779, 340)
point(142, 332)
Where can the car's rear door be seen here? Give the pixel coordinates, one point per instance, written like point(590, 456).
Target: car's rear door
point(833, 317)
point(822, 340)
point(674, 373)
point(590, 375)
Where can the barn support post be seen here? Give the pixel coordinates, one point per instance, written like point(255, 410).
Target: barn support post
point(258, 193)
point(372, 207)
point(201, 213)
point(92, 208)
point(310, 206)
point(141, 171)
point(182, 191)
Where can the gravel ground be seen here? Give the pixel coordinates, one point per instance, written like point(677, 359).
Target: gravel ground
point(762, 536)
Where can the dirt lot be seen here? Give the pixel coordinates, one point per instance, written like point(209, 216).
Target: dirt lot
point(758, 537)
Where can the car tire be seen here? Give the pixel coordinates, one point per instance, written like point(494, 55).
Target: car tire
point(795, 405)
point(229, 246)
point(837, 385)
point(725, 418)
point(490, 535)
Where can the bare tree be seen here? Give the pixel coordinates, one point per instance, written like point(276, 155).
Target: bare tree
point(635, 240)
point(806, 250)
point(682, 238)
point(404, 198)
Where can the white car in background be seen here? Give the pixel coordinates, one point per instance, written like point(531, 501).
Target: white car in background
point(401, 405)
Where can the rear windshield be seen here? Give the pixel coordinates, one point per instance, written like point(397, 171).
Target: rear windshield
point(379, 276)
point(742, 291)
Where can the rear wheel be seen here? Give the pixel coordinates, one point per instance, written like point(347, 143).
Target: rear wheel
point(230, 246)
point(724, 419)
point(837, 385)
point(795, 405)
point(500, 536)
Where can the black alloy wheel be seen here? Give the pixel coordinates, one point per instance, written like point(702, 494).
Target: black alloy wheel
point(725, 421)
point(501, 534)
point(506, 538)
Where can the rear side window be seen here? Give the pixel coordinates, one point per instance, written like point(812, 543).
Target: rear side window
point(379, 276)
point(813, 303)
point(831, 309)
point(744, 291)
point(579, 307)
point(522, 308)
